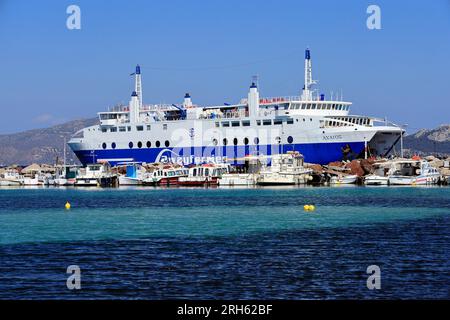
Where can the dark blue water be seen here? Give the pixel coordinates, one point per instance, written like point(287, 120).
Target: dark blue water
point(225, 244)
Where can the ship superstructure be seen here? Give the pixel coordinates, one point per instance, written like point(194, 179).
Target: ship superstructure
point(322, 130)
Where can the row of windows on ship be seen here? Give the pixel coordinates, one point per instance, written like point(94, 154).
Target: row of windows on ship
point(215, 142)
point(225, 124)
point(319, 106)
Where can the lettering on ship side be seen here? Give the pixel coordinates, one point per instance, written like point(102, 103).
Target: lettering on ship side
point(333, 137)
point(168, 156)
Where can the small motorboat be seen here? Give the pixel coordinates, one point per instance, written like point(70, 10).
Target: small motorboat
point(413, 172)
point(376, 180)
point(341, 179)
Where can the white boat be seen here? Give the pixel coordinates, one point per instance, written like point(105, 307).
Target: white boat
point(11, 178)
point(376, 180)
point(28, 181)
point(91, 175)
point(413, 172)
point(285, 169)
point(238, 179)
point(344, 179)
point(378, 176)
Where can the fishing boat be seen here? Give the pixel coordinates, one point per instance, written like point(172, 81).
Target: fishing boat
point(166, 176)
point(204, 175)
point(244, 174)
point(11, 178)
point(135, 175)
point(285, 169)
point(413, 172)
point(93, 173)
point(31, 181)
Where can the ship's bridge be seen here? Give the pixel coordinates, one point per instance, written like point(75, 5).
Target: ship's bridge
point(295, 105)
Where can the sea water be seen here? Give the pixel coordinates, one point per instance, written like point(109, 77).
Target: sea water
point(233, 243)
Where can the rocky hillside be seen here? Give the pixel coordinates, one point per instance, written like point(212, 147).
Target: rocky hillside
point(40, 145)
point(427, 141)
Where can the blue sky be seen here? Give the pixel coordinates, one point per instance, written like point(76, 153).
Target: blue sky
point(49, 74)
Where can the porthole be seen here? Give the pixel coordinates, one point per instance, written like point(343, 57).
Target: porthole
point(167, 143)
point(214, 141)
point(246, 141)
point(256, 140)
point(225, 142)
point(278, 140)
point(149, 144)
point(290, 139)
point(104, 145)
point(139, 144)
point(235, 141)
point(130, 145)
point(113, 145)
point(158, 144)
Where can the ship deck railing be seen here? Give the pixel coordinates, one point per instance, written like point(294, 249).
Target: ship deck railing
point(281, 99)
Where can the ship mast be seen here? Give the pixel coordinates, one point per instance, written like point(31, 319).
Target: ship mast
point(309, 82)
point(135, 105)
point(138, 85)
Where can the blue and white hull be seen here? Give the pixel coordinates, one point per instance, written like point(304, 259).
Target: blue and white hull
point(320, 153)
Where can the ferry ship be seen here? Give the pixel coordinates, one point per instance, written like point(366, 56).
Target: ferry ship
point(321, 129)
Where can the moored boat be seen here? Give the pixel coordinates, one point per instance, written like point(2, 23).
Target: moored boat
point(31, 181)
point(166, 176)
point(204, 175)
point(285, 169)
point(135, 175)
point(10, 178)
point(343, 179)
point(413, 172)
point(92, 175)
point(376, 180)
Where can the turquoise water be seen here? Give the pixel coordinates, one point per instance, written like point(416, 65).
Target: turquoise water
point(98, 214)
point(221, 236)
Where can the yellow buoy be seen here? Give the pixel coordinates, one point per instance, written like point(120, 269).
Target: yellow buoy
point(67, 205)
point(306, 207)
point(312, 207)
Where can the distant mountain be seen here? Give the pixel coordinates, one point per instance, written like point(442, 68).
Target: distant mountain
point(40, 145)
point(429, 141)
